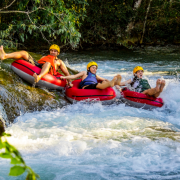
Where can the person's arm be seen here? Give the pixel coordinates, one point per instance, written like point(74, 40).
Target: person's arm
point(74, 76)
point(65, 71)
point(124, 83)
point(64, 68)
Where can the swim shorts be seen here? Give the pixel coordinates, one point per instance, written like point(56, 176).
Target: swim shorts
point(34, 62)
point(91, 86)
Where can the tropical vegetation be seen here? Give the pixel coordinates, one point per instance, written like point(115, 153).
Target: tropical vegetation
point(84, 23)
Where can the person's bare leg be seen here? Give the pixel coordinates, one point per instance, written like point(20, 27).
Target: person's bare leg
point(161, 88)
point(44, 71)
point(2, 53)
point(162, 85)
point(14, 55)
point(156, 94)
point(153, 91)
point(158, 84)
point(118, 81)
point(106, 84)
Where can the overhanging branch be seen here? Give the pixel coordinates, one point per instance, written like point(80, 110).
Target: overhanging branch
point(8, 5)
point(23, 12)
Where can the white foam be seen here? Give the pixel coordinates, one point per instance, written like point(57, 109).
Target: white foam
point(111, 142)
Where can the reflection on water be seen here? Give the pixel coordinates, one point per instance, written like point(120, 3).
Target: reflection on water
point(92, 141)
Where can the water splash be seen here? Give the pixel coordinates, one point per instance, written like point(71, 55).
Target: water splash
point(92, 141)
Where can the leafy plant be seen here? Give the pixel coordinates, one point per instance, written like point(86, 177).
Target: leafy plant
point(50, 20)
point(19, 166)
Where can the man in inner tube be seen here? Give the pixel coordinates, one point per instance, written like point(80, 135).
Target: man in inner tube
point(141, 85)
point(90, 79)
point(49, 64)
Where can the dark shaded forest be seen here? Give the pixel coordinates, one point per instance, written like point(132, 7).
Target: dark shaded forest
point(80, 24)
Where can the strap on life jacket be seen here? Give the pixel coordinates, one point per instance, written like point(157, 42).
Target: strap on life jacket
point(50, 59)
point(90, 79)
point(134, 80)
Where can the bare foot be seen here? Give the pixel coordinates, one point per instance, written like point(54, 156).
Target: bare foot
point(158, 83)
point(118, 81)
point(112, 82)
point(2, 53)
point(162, 85)
point(36, 77)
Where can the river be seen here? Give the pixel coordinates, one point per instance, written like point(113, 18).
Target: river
point(105, 142)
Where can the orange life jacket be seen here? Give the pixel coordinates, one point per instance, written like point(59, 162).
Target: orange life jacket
point(50, 59)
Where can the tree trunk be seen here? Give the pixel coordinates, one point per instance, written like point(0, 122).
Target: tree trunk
point(171, 1)
point(144, 28)
point(130, 26)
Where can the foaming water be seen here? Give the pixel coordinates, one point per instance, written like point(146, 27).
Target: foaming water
point(92, 141)
point(98, 141)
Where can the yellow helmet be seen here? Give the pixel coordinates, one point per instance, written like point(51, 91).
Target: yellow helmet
point(56, 47)
point(92, 63)
point(137, 68)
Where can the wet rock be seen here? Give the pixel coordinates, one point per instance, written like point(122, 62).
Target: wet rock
point(2, 129)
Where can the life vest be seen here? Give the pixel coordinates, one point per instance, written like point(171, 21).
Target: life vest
point(143, 85)
point(90, 79)
point(50, 59)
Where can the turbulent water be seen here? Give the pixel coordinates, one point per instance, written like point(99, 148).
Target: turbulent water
point(96, 142)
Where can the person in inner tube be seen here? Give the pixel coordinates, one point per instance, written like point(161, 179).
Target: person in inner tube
point(47, 66)
point(141, 85)
point(90, 79)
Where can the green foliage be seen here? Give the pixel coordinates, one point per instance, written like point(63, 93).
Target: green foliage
point(91, 21)
point(163, 23)
point(52, 20)
point(107, 22)
point(10, 152)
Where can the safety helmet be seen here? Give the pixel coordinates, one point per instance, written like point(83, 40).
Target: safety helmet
point(56, 47)
point(137, 68)
point(92, 63)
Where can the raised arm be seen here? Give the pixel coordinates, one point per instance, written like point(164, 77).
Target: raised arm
point(82, 73)
point(126, 82)
point(123, 83)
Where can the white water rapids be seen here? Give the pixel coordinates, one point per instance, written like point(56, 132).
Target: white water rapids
point(96, 142)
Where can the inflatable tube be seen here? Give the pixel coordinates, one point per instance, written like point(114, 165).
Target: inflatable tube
point(74, 94)
point(140, 100)
point(26, 70)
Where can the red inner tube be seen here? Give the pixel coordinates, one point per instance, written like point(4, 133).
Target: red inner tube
point(30, 69)
point(141, 98)
point(91, 94)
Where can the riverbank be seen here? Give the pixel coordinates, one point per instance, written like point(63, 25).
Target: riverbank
point(127, 44)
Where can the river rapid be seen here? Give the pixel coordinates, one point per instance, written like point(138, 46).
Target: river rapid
point(105, 142)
